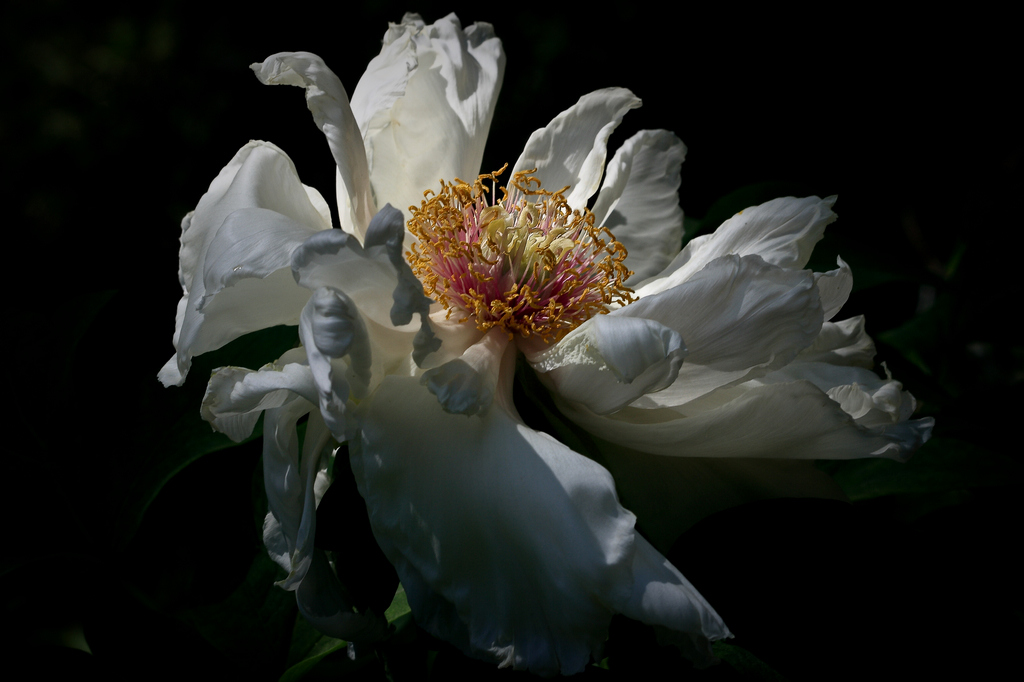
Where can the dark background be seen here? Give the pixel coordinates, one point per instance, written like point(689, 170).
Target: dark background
point(116, 119)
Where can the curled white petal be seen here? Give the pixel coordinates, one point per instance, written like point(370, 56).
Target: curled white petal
point(364, 272)
point(834, 287)
point(609, 361)
point(639, 201)
point(740, 316)
point(328, 102)
point(783, 232)
point(238, 242)
point(571, 150)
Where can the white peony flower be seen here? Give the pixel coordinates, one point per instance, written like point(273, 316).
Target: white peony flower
point(508, 543)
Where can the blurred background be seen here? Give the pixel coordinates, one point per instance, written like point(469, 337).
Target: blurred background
point(134, 532)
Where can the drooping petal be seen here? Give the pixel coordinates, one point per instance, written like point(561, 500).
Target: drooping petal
point(340, 357)
point(264, 213)
point(505, 540)
point(639, 201)
point(609, 361)
point(571, 150)
point(285, 392)
point(425, 104)
point(236, 396)
point(782, 231)
point(740, 318)
point(793, 420)
point(328, 102)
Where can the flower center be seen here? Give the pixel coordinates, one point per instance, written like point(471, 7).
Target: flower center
point(526, 263)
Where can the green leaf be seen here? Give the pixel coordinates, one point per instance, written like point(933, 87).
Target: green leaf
point(252, 625)
point(323, 648)
point(398, 614)
point(747, 664)
point(942, 465)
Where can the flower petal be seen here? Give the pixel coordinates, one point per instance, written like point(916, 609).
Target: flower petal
point(328, 102)
point(792, 420)
point(425, 104)
point(264, 212)
point(501, 533)
point(782, 231)
point(335, 338)
point(236, 396)
point(740, 318)
point(571, 150)
point(466, 384)
point(639, 201)
point(834, 287)
point(609, 361)
point(284, 391)
point(365, 274)
point(841, 343)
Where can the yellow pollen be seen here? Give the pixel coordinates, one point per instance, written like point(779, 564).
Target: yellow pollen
point(525, 262)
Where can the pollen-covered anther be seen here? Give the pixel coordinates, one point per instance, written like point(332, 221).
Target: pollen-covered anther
point(524, 262)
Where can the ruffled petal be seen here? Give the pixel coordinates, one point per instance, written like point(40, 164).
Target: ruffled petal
point(425, 104)
point(571, 150)
point(841, 343)
point(782, 231)
point(234, 251)
point(328, 102)
point(639, 201)
point(793, 420)
point(834, 287)
point(740, 318)
point(284, 391)
point(366, 274)
point(505, 540)
point(236, 396)
point(609, 361)
point(334, 336)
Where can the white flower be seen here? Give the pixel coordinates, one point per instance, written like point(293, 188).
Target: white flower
point(509, 544)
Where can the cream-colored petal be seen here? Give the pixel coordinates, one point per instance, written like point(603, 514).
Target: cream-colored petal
point(609, 361)
point(639, 201)
point(782, 231)
point(380, 283)
point(328, 102)
point(507, 542)
point(834, 287)
point(841, 343)
point(425, 105)
point(793, 420)
point(264, 213)
point(739, 317)
point(571, 150)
